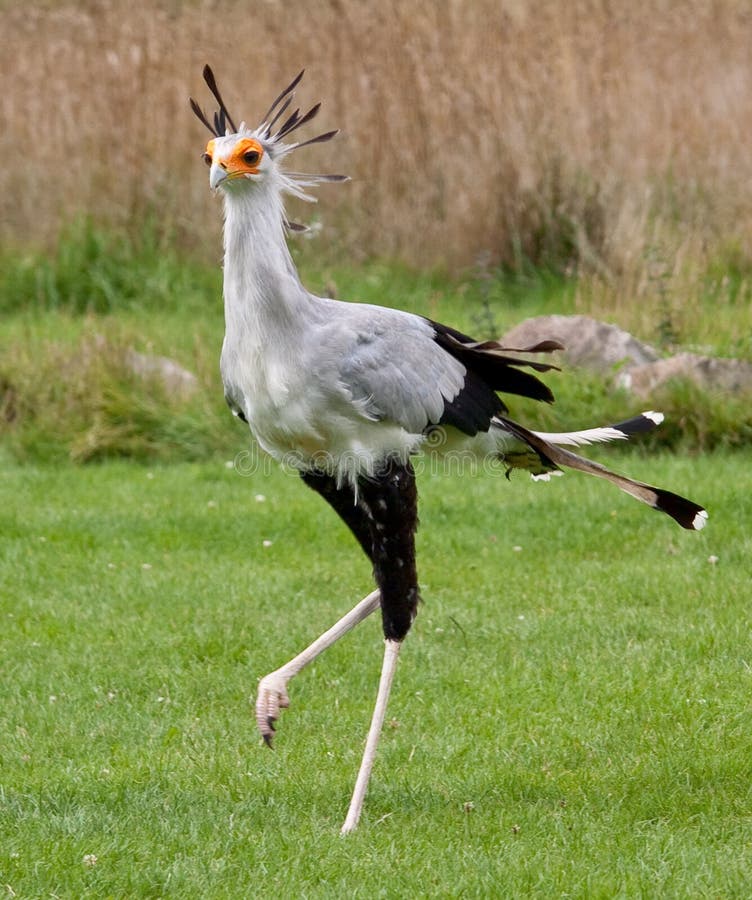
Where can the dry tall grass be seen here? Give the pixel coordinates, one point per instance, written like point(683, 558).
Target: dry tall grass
point(603, 132)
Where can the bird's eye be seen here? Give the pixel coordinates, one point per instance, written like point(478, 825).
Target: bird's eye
point(206, 158)
point(251, 157)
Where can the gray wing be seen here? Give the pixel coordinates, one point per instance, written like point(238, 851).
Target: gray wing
point(393, 368)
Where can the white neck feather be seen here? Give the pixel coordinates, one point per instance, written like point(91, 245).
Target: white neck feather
point(262, 290)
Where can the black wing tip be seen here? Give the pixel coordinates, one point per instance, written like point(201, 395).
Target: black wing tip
point(540, 347)
point(688, 514)
point(498, 371)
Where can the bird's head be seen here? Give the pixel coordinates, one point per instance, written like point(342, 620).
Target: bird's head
point(234, 159)
point(239, 157)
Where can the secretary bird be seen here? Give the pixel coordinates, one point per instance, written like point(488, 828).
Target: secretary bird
point(347, 393)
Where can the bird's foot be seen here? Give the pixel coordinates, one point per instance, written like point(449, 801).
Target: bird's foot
point(272, 696)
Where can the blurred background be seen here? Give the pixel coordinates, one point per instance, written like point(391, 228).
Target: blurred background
point(579, 132)
point(592, 155)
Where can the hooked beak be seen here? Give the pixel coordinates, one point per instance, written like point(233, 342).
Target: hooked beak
point(217, 175)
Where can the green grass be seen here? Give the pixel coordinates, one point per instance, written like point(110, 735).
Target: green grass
point(570, 716)
point(571, 712)
point(94, 270)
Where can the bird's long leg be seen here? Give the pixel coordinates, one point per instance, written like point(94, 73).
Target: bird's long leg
point(389, 667)
point(391, 503)
point(272, 690)
point(384, 519)
point(344, 502)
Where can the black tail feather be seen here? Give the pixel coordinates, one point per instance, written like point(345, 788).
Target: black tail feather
point(687, 513)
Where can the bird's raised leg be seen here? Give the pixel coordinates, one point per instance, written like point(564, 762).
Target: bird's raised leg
point(391, 503)
point(272, 690)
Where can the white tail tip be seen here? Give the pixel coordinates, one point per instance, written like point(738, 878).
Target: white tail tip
point(700, 520)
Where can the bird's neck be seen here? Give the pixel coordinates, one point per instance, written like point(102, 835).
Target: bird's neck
point(262, 290)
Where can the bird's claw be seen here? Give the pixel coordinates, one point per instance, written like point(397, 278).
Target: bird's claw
point(271, 698)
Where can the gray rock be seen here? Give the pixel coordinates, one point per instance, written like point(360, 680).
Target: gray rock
point(601, 347)
point(708, 372)
point(175, 378)
point(588, 343)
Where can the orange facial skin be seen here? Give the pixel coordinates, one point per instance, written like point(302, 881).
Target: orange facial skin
point(245, 158)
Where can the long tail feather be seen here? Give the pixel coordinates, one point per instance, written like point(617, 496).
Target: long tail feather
point(646, 421)
point(551, 457)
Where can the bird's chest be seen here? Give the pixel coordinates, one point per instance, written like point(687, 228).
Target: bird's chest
point(272, 390)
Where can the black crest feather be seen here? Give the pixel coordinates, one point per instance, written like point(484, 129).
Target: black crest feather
point(217, 125)
point(202, 116)
point(296, 121)
point(223, 114)
point(288, 90)
point(278, 115)
point(319, 139)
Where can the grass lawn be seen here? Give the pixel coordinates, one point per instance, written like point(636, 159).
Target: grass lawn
point(571, 715)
